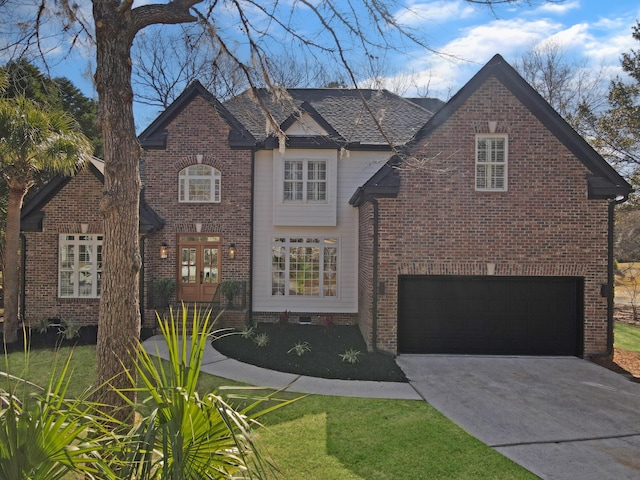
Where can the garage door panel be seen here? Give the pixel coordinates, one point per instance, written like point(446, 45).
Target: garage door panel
point(490, 315)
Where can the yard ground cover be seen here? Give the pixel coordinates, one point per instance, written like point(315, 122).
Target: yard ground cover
point(330, 437)
point(627, 337)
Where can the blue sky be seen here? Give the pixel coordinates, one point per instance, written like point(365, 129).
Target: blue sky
point(465, 36)
point(596, 30)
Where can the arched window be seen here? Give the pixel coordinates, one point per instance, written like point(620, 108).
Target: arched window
point(199, 183)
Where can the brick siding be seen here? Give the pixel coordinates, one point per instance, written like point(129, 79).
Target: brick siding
point(199, 130)
point(63, 214)
point(544, 225)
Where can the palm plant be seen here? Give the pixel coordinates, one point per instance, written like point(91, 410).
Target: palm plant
point(32, 138)
point(44, 435)
point(177, 434)
point(181, 434)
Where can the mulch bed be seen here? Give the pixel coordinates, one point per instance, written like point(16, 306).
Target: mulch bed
point(323, 360)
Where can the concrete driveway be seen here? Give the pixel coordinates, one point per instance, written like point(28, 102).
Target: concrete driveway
point(560, 418)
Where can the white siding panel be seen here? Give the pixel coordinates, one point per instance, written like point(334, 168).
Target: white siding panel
point(354, 169)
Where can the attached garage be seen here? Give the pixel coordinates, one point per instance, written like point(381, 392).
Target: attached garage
point(490, 315)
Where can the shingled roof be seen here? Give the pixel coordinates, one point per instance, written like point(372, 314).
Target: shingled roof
point(343, 109)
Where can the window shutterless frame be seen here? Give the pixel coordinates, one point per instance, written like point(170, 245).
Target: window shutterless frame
point(79, 266)
point(491, 162)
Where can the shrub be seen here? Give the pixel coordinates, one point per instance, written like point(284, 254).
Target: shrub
point(300, 348)
point(351, 355)
point(261, 339)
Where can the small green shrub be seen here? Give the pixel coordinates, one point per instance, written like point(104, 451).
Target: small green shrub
point(300, 348)
point(247, 332)
point(230, 288)
point(351, 355)
point(42, 325)
point(261, 339)
point(69, 329)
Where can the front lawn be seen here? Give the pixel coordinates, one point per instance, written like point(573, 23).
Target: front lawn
point(331, 437)
point(626, 337)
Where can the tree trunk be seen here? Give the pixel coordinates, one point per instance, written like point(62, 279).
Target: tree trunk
point(119, 322)
point(12, 264)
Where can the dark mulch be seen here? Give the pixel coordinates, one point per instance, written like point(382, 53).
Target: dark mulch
point(88, 335)
point(51, 339)
point(326, 342)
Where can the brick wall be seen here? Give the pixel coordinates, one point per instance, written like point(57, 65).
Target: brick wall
point(63, 214)
point(365, 273)
point(544, 225)
point(199, 130)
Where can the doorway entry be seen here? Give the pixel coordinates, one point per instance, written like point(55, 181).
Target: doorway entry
point(198, 267)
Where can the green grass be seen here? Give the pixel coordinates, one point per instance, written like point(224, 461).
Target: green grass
point(326, 344)
point(626, 337)
point(331, 437)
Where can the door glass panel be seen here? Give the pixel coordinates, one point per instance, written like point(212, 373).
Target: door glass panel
point(188, 265)
point(210, 265)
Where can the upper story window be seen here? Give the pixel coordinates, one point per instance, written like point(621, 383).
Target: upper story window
point(305, 181)
point(199, 184)
point(491, 162)
point(80, 266)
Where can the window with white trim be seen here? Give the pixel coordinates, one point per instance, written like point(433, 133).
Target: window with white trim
point(304, 267)
point(199, 184)
point(80, 266)
point(305, 181)
point(491, 162)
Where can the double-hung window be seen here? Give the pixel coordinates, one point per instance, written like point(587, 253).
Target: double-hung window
point(305, 181)
point(80, 266)
point(491, 162)
point(199, 184)
point(304, 267)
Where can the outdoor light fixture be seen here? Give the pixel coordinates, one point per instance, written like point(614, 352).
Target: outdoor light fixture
point(232, 251)
point(163, 250)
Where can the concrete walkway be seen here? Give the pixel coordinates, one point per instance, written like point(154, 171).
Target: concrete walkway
point(561, 418)
point(215, 363)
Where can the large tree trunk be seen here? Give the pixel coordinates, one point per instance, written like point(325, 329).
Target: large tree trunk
point(12, 264)
point(119, 322)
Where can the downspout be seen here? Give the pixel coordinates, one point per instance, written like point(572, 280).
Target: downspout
point(23, 277)
point(610, 276)
point(374, 297)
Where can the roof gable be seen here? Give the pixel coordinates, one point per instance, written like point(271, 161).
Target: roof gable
point(605, 181)
point(155, 135)
point(32, 215)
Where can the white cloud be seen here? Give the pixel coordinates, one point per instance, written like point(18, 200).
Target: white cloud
point(558, 8)
point(461, 58)
point(434, 12)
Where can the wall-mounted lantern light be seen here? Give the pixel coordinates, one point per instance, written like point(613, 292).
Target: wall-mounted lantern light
point(232, 251)
point(163, 250)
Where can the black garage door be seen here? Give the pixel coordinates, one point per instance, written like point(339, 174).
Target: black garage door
point(490, 315)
